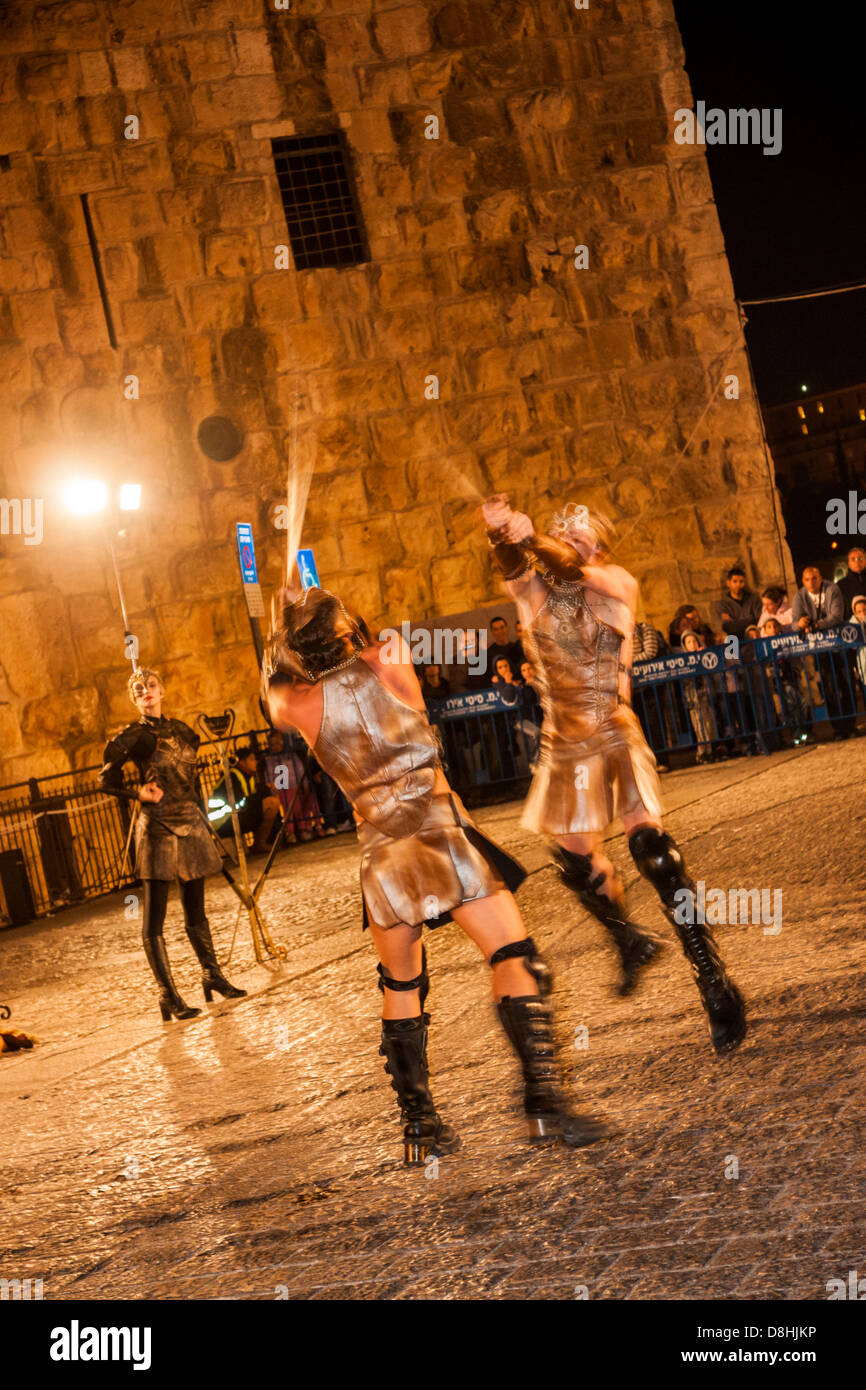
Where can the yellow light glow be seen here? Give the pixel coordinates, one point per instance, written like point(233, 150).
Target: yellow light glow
point(85, 496)
point(862, 413)
point(804, 429)
point(130, 497)
point(801, 412)
point(820, 408)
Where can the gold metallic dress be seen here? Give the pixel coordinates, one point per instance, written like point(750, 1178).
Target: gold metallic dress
point(595, 763)
point(421, 854)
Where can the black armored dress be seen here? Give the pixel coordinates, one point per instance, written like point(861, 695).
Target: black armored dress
point(171, 841)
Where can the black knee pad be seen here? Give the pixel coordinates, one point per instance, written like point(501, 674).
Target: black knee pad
point(659, 860)
point(532, 961)
point(421, 982)
point(576, 873)
point(575, 870)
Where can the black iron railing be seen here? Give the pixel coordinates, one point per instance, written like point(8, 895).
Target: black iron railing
point(66, 840)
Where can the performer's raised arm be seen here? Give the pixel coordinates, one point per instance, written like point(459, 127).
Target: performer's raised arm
point(515, 541)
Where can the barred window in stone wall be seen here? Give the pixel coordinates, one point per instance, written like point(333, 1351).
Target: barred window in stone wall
point(321, 209)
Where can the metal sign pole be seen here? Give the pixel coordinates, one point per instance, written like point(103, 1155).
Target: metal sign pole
point(251, 586)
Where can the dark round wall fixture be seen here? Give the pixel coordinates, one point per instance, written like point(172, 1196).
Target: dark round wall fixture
point(219, 438)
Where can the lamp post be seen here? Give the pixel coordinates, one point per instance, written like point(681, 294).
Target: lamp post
point(89, 497)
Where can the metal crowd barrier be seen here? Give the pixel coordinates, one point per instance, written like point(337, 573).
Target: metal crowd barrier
point(791, 682)
point(489, 739)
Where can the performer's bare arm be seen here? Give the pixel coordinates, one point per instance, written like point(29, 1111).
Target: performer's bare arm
point(613, 591)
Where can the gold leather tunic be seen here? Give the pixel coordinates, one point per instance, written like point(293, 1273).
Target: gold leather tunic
point(421, 854)
point(594, 762)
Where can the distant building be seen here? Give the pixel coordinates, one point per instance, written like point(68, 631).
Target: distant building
point(819, 440)
point(818, 443)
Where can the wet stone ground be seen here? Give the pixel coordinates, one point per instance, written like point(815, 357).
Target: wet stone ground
point(253, 1153)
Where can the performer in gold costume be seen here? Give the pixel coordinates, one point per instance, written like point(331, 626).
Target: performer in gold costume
point(423, 861)
point(577, 612)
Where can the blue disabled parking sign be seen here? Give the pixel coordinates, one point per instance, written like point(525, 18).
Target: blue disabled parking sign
point(307, 570)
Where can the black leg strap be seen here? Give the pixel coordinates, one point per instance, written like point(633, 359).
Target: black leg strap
point(421, 982)
point(533, 962)
point(512, 949)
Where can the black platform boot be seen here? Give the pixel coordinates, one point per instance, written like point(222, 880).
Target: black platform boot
point(636, 948)
point(212, 978)
point(170, 1003)
point(528, 1024)
point(404, 1046)
point(660, 861)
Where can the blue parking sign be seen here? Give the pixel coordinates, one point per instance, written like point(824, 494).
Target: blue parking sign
point(247, 553)
point(307, 570)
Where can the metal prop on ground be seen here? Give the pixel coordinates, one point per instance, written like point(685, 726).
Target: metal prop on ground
point(220, 726)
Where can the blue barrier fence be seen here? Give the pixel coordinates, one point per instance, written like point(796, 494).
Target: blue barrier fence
point(769, 695)
point(791, 682)
point(489, 737)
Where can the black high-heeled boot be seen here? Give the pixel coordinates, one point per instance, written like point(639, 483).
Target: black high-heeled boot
point(170, 1003)
point(404, 1046)
point(660, 861)
point(528, 1024)
point(212, 978)
point(636, 948)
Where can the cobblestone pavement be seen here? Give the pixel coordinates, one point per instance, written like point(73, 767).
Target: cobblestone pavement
point(254, 1152)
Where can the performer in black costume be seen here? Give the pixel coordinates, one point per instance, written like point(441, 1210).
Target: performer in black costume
point(171, 838)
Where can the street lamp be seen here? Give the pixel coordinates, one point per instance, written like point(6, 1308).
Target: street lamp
point(89, 497)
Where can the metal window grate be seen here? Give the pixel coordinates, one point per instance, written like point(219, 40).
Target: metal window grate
point(319, 200)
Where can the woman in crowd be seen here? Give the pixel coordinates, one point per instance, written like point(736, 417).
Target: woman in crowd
point(688, 619)
point(775, 606)
point(171, 836)
point(283, 774)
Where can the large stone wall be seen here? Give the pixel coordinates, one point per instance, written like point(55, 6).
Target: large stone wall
point(555, 130)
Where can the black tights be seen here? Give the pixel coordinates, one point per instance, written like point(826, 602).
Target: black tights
point(156, 901)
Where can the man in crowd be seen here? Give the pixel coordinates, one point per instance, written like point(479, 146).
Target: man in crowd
point(688, 619)
point(434, 686)
point(819, 605)
point(853, 583)
point(741, 608)
point(256, 812)
point(469, 671)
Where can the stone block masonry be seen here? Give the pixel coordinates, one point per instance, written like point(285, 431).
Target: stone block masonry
point(488, 141)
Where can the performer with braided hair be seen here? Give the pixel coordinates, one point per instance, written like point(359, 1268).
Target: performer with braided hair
point(577, 612)
point(359, 707)
point(171, 836)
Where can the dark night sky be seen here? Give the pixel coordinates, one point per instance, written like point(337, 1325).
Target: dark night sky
point(797, 220)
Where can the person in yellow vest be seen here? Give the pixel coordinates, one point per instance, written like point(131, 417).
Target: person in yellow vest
point(257, 810)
